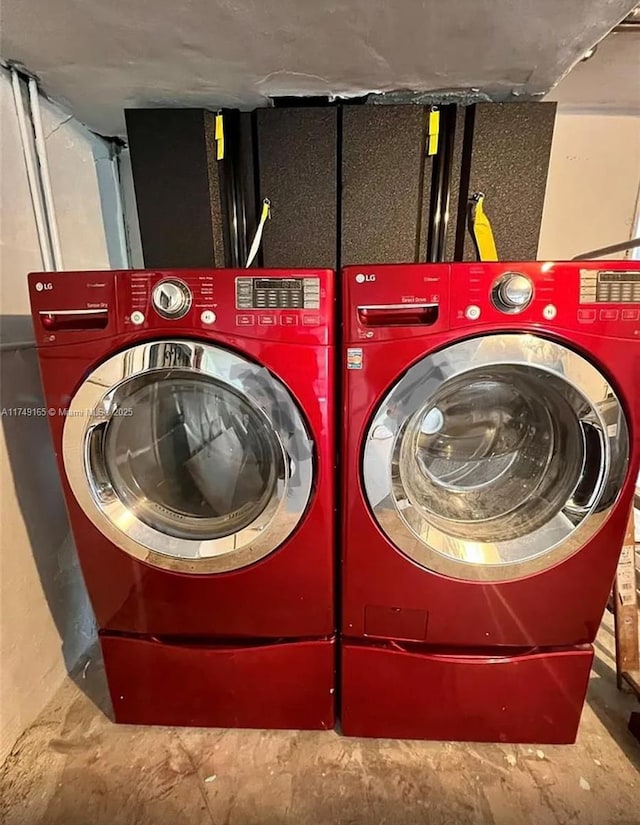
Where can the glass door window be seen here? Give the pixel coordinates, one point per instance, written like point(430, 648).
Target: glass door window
point(193, 459)
point(199, 462)
point(495, 457)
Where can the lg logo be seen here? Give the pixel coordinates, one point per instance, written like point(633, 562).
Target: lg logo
point(361, 279)
point(40, 287)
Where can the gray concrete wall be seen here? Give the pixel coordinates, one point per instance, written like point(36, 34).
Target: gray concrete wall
point(45, 618)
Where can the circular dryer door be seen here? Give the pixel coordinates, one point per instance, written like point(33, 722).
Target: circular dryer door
point(495, 457)
point(188, 456)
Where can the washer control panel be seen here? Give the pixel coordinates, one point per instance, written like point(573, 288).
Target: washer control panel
point(566, 294)
point(171, 298)
point(393, 301)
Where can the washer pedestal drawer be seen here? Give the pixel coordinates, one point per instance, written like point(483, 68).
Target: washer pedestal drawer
point(393, 691)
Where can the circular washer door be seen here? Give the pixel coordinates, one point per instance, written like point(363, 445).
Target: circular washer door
point(188, 456)
point(495, 457)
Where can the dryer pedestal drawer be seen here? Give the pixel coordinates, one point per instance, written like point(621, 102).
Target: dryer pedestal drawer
point(393, 692)
point(283, 685)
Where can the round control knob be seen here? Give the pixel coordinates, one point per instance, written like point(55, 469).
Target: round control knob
point(513, 292)
point(171, 299)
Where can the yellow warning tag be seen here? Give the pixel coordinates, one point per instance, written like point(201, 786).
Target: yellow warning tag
point(219, 136)
point(433, 132)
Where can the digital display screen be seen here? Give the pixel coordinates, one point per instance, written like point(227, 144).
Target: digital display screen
point(619, 277)
point(278, 283)
point(609, 286)
point(278, 293)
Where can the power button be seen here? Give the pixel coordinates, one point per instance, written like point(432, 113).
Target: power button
point(137, 317)
point(472, 312)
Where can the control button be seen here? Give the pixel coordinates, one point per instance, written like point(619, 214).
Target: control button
point(310, 320)
point(245, 320)
point(208, 317)
point(609, 314)
point(512, 293)
point(287, 320)
point(549, 312)
point(587, 316)
point(137, 318)
point(267, 320)
point(472, 312)
point(171, 298)
point(630, 314)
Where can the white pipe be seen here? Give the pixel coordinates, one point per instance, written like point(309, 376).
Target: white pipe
point(41, 151)
point(122, 230)
point(32, 175)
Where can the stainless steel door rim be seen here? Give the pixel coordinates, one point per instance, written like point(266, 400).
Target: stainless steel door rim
point(108, 473)
point(495, 457)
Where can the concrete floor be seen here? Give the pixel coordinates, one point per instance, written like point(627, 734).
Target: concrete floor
point(74, 767)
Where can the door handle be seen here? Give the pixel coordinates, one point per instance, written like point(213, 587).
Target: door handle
point(70, 319)
point(398, 315)
point(593, 468)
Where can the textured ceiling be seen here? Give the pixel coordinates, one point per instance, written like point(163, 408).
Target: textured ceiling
point(99, 56)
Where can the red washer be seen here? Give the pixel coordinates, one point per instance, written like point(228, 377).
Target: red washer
point(196, 450)
point(490, 454)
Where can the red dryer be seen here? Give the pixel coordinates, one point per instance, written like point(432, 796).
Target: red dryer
point(490, 452)
point(192, 419)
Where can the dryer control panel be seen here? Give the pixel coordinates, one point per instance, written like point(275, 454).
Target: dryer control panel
point(273, 304)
